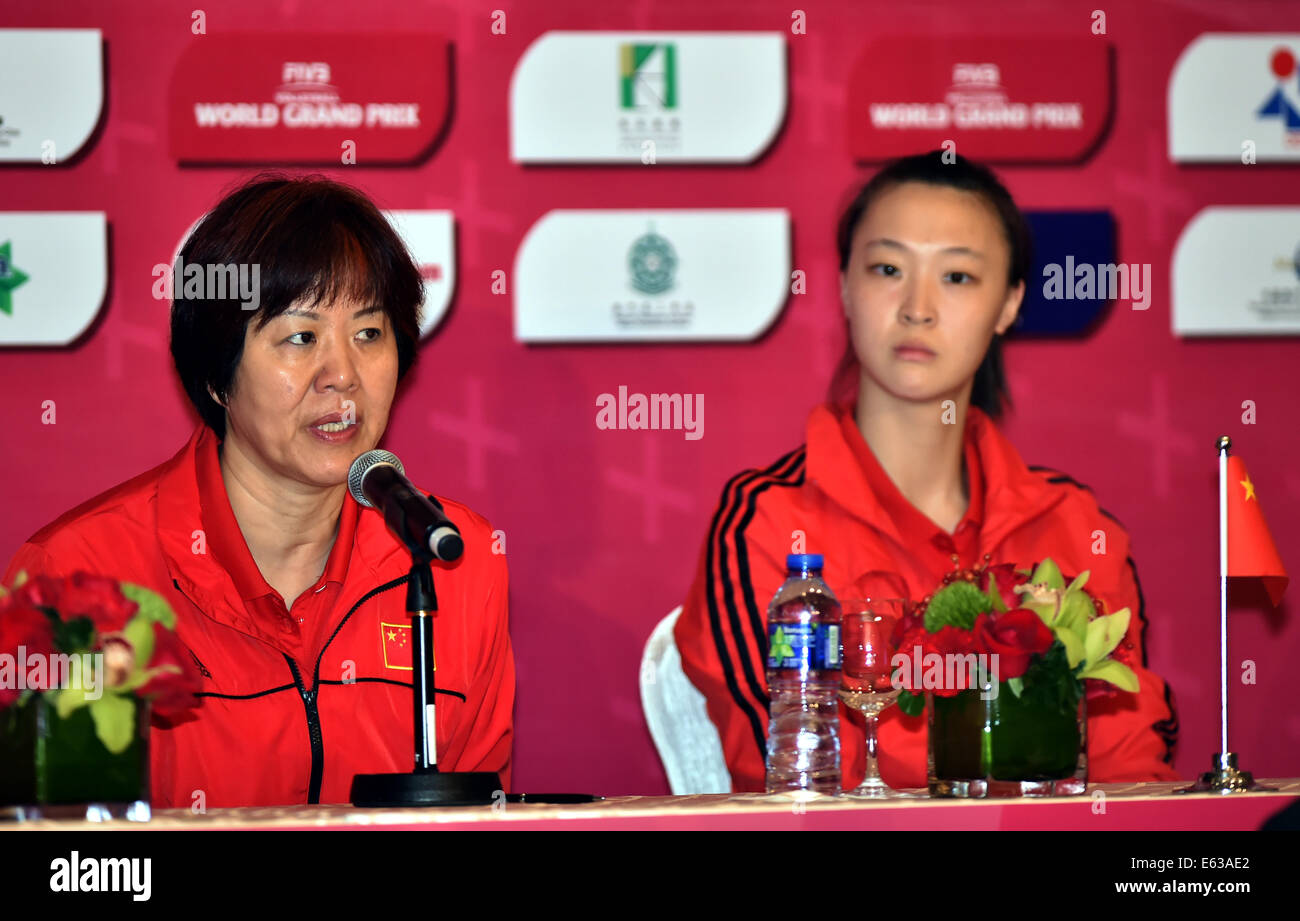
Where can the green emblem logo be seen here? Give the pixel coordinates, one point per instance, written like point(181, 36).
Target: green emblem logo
point(10, 278)
point(781, 648)
point(652, 262)
point(647, 75)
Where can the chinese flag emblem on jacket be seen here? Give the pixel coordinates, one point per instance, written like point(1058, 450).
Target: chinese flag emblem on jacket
point(1251, 551)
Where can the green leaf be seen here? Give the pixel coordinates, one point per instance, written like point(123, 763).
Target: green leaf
point(911, 704)
point(1017, 685)
point(1079, 582)
point(1048, 573)
point(114, 716)
point(73, 697)
point(152, 605)
point(1117, 673)
point(1104, 634)
point(1073, 643)
point(74, 635)
point(1076, 609)
point(956, 605)
point(139, 633)
point(991, 589)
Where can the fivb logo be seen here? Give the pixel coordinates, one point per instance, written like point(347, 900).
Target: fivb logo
point(103, 874)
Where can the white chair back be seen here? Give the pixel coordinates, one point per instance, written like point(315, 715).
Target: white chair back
point(686, 738)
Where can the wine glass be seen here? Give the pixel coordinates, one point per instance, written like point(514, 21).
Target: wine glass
point(866, 628)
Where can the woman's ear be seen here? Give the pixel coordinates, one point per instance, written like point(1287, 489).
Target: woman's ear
point(215, 398)
point(844, 294)
point(1011, 307)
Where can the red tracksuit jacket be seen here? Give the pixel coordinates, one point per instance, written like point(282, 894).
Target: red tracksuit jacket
point(834, 491)
point(295, 701)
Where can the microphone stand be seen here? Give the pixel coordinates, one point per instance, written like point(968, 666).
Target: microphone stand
point(425, 785)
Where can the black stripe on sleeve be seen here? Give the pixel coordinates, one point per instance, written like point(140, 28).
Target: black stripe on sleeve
point(719, 575)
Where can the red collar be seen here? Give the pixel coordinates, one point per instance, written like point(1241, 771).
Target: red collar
point(226, 540)
point(912, 524)
point(193, 496)
point(1004, 493)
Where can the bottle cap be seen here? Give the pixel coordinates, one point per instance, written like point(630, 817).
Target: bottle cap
point(796, 562)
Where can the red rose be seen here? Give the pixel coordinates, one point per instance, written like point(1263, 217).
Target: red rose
point(40, 591)
point(171, 692)
point(23, 625)
point(1003, 579)
point(905, 627)
point(950, 641)
point(1015, 637)
point(99, 598)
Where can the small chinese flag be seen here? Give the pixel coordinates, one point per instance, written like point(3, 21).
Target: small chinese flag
point(1251, 551)
point(397, 645)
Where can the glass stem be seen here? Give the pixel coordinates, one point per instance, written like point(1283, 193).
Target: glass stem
point(872, 774)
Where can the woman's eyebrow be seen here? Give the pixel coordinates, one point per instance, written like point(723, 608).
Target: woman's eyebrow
point(954, 250)
point(313, 315)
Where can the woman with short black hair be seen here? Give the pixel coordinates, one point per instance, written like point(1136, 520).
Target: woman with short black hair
point(288, 596)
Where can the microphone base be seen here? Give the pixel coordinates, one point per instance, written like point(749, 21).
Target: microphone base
point(470, 788)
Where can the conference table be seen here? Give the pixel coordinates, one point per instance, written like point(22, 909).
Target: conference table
point(1104, 807)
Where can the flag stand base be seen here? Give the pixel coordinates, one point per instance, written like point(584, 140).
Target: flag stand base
point(1226, 778)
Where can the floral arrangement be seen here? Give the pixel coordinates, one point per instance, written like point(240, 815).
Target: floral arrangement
point(89, 641)
point(1049, 637)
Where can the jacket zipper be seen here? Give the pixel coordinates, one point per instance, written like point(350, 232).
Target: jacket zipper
point(313, 732)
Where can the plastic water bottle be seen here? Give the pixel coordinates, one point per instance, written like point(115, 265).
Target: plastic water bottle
point(803, 678)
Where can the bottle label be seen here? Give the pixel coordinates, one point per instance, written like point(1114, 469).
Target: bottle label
point(803, 646)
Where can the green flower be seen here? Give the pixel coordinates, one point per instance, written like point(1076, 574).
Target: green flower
point(1088, 640)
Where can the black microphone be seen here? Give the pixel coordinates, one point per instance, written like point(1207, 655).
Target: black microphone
point(377, 480)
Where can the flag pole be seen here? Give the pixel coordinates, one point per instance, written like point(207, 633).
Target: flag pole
point(1226, 777)
point(1224, 443)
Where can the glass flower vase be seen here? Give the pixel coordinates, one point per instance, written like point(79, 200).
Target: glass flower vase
point(1006, 745)
point(52, 766)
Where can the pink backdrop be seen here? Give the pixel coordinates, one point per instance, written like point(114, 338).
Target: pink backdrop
point(604, 527)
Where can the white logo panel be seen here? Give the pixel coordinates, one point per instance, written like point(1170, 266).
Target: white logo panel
point(1237, 273)
point(51, 92)
point(53, 275)
point(652, 276)
point(649, 97)
point(1236, 98)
